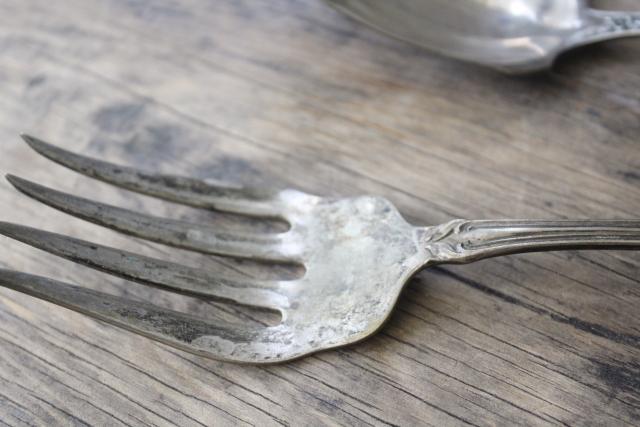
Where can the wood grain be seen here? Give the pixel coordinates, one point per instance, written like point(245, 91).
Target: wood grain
point(291, 93)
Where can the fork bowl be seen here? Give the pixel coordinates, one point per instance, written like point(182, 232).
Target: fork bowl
point(513, 36)
point(358, 254)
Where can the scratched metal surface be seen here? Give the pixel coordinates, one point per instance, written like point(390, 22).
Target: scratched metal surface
point(291, 93)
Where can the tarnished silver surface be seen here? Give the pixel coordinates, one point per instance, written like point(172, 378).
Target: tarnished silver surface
point(358, 254)
point(514, 36)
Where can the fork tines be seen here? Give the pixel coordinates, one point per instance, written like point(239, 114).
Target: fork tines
point(178, 329)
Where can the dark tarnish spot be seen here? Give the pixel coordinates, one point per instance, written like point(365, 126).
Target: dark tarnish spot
point(180, 326)
point(185, 331)
point(118, 118)
point(196, 186)
point(179, 183)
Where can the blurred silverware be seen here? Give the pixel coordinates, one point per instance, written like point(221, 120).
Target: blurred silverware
point(513, 36)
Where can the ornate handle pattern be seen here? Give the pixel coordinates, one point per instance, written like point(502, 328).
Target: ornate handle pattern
point(607, 25)
point(463, 241)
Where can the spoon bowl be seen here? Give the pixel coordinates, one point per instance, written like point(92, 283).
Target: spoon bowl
point(513, 36)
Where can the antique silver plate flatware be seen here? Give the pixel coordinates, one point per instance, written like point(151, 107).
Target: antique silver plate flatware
point(514, 36)
point(358, 254)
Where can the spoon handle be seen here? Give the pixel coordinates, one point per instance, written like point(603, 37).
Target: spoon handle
point(463, 241)
point(606, 25)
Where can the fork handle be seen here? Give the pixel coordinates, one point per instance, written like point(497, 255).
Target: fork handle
point(606, 25)
point(464, 241)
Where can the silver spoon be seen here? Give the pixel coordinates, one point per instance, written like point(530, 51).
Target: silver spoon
point(513, 36)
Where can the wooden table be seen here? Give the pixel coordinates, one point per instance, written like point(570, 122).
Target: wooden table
point(283, 92)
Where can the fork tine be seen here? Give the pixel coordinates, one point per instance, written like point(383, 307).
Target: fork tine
point(162, 230)
point(219, 340)
point(150, 271)
point(193, 192)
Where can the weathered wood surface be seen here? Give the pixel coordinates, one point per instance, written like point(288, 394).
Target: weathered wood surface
point(291, 93)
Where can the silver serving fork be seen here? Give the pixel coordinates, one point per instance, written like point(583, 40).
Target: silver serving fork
point(358, 254)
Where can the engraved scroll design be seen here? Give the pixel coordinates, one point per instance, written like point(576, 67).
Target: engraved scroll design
point(610, 25)
point(443, 242)
point(462, 241)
